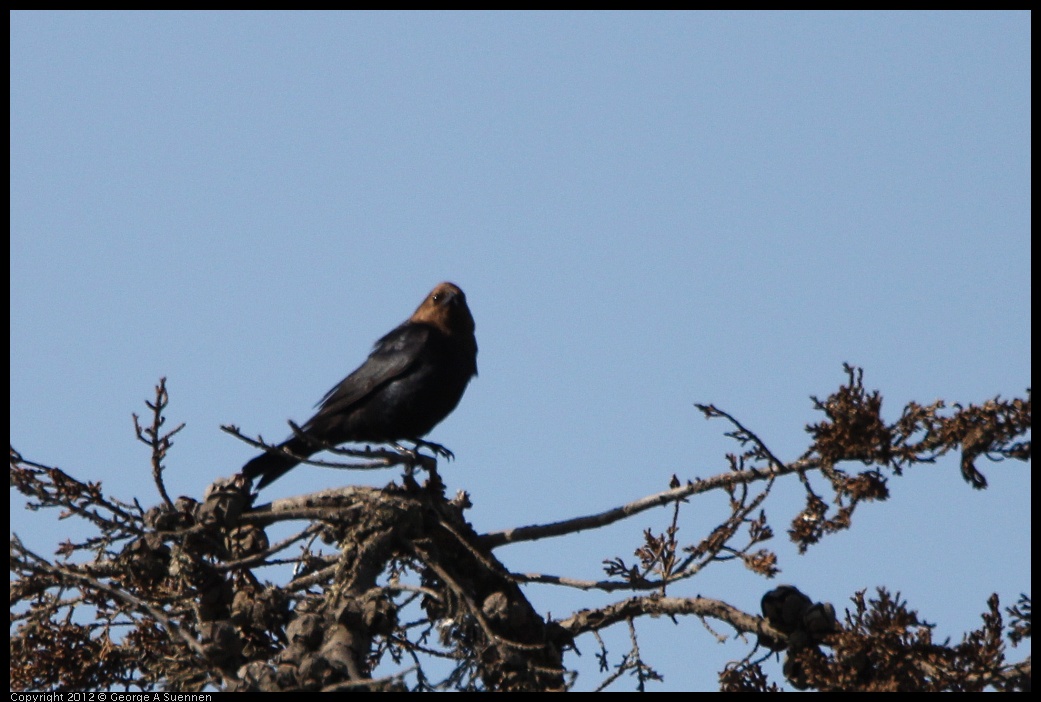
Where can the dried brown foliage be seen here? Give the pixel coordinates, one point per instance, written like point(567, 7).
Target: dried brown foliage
point(392, 589)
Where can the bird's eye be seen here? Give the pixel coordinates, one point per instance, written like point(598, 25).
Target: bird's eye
point(437, 297)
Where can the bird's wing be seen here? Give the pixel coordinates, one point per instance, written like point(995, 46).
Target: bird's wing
point(392, 356)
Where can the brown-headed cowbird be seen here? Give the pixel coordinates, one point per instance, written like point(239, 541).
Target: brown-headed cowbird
point(413, 378)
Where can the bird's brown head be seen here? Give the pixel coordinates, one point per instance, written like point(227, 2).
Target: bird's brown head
point(445, 308)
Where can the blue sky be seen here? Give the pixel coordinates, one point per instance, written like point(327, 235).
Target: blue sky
point(646, 210)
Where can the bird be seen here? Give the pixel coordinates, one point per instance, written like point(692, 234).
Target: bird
point(413, 379)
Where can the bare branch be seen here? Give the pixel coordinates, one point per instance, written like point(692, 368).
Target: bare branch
point(634, 607)
point(570, 526)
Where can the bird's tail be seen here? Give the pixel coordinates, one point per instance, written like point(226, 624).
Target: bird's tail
point(272, 466)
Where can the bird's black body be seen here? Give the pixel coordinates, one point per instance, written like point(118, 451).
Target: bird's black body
point(414, 377)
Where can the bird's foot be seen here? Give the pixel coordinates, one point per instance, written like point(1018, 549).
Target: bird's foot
point(438, 449)
point(415, 458)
